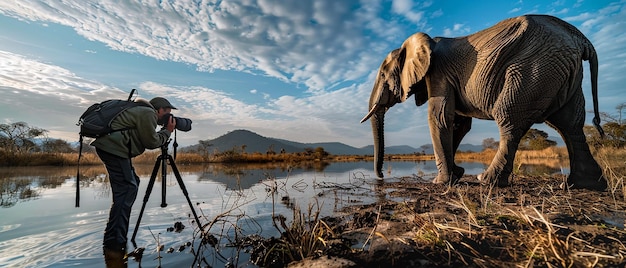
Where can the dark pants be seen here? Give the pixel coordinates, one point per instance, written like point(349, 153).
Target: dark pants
point(124, 185)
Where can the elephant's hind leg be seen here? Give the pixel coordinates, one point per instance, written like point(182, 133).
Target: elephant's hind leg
point(515, 111)
point(462, 126)
point(584, 170)
point(501, 166)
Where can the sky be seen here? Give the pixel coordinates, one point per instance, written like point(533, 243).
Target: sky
point(297, 70)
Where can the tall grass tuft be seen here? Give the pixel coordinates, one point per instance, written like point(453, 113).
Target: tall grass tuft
point(612, 160)
point(306, 236)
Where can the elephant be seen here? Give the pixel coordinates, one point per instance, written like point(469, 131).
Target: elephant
point(521, 71)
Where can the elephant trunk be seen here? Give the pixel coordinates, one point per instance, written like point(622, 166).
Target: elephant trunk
point(378, 124)
point(381, 99)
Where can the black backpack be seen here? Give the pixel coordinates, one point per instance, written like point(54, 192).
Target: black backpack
point(96, 122)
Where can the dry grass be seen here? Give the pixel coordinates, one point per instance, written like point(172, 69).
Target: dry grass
point(523, 236)
point(47, 159)
point(613, 162)
point(557, 153)
point(306, 235)
point(150, 156)
point(484, 157)
point(548, 153)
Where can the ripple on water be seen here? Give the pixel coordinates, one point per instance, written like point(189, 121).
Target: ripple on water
point(9, 227)
point(76, 242)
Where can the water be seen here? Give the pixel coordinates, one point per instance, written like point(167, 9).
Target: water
point(40, 227)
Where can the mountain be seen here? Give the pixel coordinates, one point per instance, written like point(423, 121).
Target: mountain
point(336, 148)
point(466, 147)
point(398, 149)
point(252, 142)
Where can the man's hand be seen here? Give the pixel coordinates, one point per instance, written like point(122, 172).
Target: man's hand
point(171, 125)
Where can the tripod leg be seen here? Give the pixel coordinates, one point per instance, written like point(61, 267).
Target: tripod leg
point(184, 189)
point(146, 196)
point(163, 181)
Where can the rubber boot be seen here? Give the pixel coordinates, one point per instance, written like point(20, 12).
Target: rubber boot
point(115, 258)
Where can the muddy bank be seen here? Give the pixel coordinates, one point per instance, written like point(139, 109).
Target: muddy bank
point(415, 223)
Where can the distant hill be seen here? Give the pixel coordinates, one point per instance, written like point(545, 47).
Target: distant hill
point(466, 147)
point(252, 142)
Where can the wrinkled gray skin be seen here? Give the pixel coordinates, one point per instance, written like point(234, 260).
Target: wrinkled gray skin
point(522, 71)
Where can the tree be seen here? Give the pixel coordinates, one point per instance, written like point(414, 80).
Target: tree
point(203, 148)
point(56, 146)
point(320, 153)
point(617, 118)
point(614, 129)
point(270, 150)
point(19, 137)
point(615, 134)
point(535, 139)
point(490, 143)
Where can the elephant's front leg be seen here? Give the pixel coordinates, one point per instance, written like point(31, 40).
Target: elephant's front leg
point(441, 122)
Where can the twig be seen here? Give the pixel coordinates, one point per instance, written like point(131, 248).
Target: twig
point(373, 229)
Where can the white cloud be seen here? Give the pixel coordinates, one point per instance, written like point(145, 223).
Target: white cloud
point(317, 45)
point(47, 96)
point(310, 41)
point(560, 12)
point(458, 29)
point(405, 8)
point(437, 13)
point(322, 117)
point(515, 10)
point(605, 29)
point(53, 98)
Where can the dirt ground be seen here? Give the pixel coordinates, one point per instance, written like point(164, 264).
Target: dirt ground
point(532, 223)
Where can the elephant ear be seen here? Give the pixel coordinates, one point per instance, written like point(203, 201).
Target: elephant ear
point(417, 50)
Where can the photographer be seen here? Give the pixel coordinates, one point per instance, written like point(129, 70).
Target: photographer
point(116, 150)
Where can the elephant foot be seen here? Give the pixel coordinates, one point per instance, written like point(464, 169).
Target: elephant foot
point(458, 171)
point(490, 178)
point(588, 176)
point(446, 179)
point(599, 184)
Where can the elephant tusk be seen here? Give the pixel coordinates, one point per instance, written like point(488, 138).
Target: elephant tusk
point(371, 112)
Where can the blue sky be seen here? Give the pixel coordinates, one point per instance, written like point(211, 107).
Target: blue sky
point(297, 70)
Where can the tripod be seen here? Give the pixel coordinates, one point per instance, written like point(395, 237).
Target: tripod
point(161, 162)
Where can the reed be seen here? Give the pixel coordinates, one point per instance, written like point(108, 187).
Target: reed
point(610, 158)
point(547, 153)
point(46, 159)
point(306, 236)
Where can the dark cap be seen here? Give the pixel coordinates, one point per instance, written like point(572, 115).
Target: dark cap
point(159, 102)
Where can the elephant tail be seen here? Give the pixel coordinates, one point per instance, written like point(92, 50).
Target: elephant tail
point(592, 57)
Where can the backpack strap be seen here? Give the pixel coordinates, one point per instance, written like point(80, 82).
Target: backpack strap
point(132, 92)
point(80, 153)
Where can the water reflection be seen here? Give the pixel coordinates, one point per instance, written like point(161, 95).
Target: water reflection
point(14, 190)
point(26, 183)
point(236, 200)
point(543, 167)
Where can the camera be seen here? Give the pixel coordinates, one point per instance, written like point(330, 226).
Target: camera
point(182, 124)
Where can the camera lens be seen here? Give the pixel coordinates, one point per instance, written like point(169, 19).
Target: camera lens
point(183, 124)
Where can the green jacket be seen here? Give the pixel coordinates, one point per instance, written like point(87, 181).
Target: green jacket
point(142, 134)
